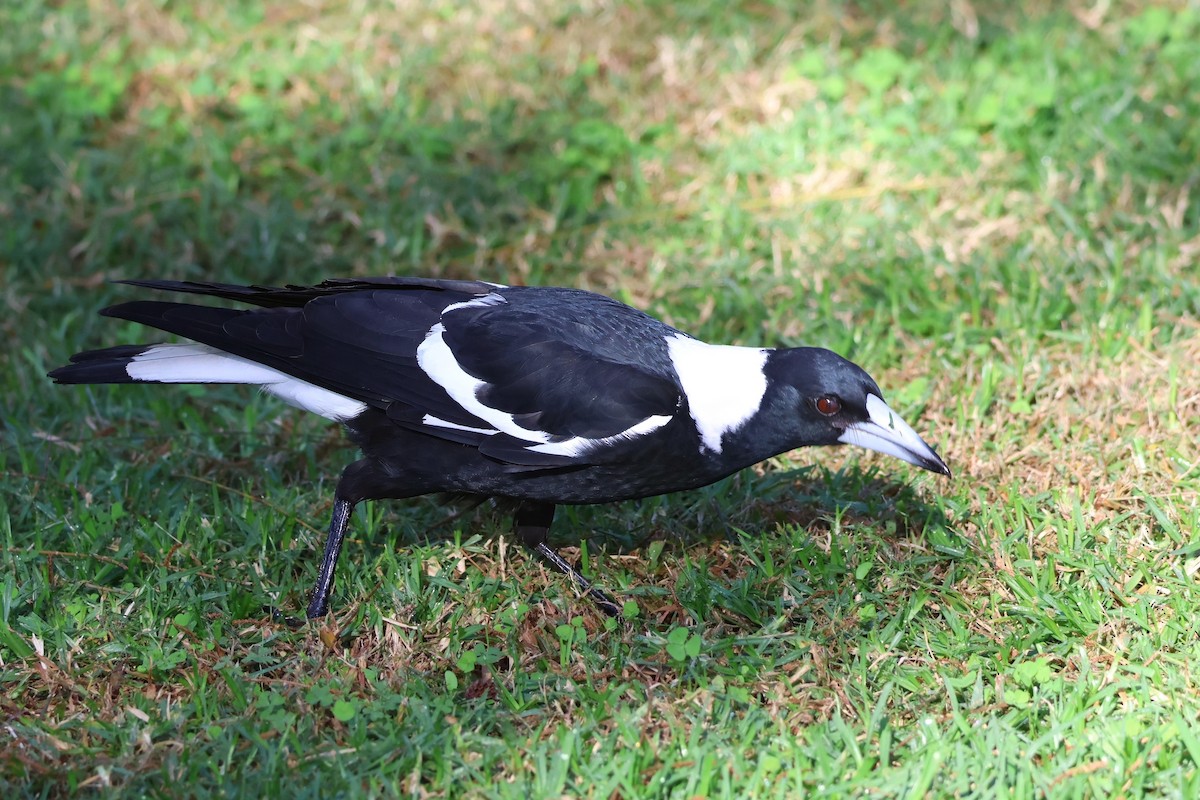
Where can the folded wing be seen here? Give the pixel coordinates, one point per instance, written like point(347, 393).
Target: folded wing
point(538, 386)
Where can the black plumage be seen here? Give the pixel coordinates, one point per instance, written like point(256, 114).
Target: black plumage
point(545, 396)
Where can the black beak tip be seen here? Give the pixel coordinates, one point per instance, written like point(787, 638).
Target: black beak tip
point(936, 464)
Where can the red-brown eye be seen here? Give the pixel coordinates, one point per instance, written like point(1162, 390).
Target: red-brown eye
point(829, 405)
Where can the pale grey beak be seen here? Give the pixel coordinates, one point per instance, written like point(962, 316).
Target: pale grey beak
point(885, 432)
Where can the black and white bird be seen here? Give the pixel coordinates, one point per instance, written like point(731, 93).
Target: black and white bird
point(543, 396)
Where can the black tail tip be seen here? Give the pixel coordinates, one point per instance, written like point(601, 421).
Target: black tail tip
point(99, 366)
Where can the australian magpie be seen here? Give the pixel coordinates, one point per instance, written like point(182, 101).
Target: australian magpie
point(543, 396)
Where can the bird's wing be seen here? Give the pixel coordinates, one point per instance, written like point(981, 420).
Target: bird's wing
point(550, 399)
point(508, 384)
point(296, 296)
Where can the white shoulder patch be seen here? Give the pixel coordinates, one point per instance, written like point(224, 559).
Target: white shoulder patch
point(578, 445)
point(489, 299)
point(437, 360)
point(724, 385)
point(438, 422)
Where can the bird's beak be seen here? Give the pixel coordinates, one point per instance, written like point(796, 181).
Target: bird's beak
point(885, 432)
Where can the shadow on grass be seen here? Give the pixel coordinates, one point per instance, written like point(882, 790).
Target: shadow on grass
point(122, 173)
point(383, 194)
point(720, 511)
point(810, 525)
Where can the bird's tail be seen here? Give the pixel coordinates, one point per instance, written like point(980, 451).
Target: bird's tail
point(200, 363)
point(163, 363)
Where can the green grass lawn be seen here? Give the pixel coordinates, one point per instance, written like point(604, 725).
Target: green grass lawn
point(993, 207)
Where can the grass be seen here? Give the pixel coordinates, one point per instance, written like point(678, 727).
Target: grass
point(991, 206)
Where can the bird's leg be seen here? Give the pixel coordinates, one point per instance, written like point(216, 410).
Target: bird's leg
point(533, 525)
point(318, 605)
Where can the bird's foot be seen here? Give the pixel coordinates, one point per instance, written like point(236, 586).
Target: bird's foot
point(278, 616)
point(598, 596)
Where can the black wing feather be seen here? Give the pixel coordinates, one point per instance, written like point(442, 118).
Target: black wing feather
point(360, 345)
point(564, 363)
point(298, 296)
point(562, 374)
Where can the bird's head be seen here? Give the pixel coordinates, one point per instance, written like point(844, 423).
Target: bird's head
point(836, 402)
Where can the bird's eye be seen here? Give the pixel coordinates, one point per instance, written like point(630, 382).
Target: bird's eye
point(829, 405)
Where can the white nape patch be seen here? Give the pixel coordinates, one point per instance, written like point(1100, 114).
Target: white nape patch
point(436, 359)
point(199, 363)
point(489, 299)
point(884, 432)
point(437, 422)
point(724, 385)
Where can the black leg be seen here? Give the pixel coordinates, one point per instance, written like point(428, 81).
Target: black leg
point(533, 525)
point(318, 606)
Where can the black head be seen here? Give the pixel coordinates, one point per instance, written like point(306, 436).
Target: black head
point(834, 401)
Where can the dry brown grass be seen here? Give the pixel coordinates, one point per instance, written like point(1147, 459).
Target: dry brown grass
point(1112, 428)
